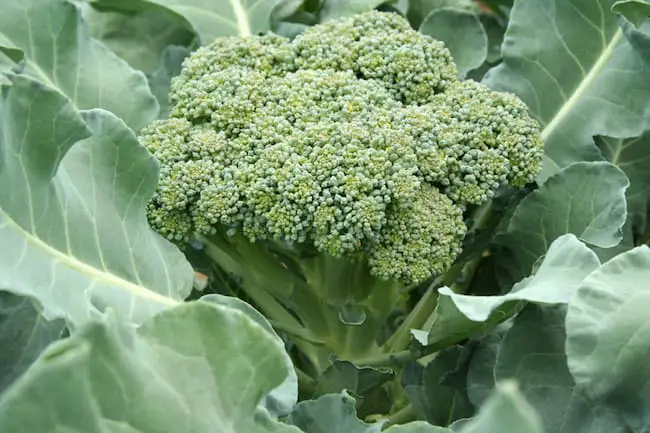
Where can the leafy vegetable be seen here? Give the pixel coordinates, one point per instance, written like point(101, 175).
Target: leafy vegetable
point(209, 19)
point(71, 175)
point(361, 237)
point(462, 33)
point(49, 42)
point(636, 11)
point(584, 80)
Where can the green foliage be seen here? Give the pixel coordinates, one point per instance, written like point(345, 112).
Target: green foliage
point(373, 249)
point(635, 11)
point(44, 40)
point(577, 82)
point(462, 33)
point(27, 331)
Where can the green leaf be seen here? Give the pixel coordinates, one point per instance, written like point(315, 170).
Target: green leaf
point(639, 38)
point(635, 11)
point(462, 33)
point(533, 353)
point(608, 336)
point(139, 37)
point(437, 392)
point(418, 10)
point(401, 6)
point(195, 368)
point(9, 56)
point(336, 413)
point(632, 156)
point(480, 377)
point(24, 333)
point(209, 19)
point(330, 413)
point(586, 199)
point(571, 64)
point(332, 9)
point(75, 212)
point(505, 410)
point(495, 31)
point(365, 384)
point(565, 266)
point(160, 79)
point(281, 400)
point(417, 427)
point(59, 51)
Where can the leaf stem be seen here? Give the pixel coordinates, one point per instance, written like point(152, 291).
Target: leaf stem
point(403, 356)
point(402, 416)
point(415, 320)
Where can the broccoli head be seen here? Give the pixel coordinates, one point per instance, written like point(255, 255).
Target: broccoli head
point(355, 140)
point(355, 137)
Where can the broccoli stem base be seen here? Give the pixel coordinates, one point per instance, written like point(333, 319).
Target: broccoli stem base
point(335, 300)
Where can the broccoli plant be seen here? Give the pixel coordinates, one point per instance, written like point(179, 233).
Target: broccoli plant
point(333, 216)
point(332, 172)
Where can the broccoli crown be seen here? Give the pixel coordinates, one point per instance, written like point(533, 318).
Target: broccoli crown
point(356, 137)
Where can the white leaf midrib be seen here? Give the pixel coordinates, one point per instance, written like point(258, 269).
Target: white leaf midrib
point(241, 17)
point(584, 86)
point(83, 268)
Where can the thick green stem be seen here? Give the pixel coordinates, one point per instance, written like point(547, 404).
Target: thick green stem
point(398, 358)
point(402, 416)
point(415, 320)
point(333, 306)
point(354, 303)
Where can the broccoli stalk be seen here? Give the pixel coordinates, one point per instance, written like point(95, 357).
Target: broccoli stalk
point(336, 299)
point(333, 171)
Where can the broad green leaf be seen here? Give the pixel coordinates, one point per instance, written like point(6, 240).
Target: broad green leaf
point(332, 9)
point(160, 79)
point(462, 33)
point(24, 333)
point(639, 37)
point(289, 30)
point(365, 384)
point(139, 37)
point(336, 413)
point(533, 354)
point(197, 368)
point(480, 377)
point(401, 5)
point(571, 64)
point(209, 19)
point(417, 427)
point(495, 4)
point(495, 30)
point(75, 212)
point(586, 199)
point(565, 266)
point(626, 244)
point(330, 413)
point(437, 391)
point(418, 10)
point(59, 52)
point(9, 56)
point(281, 400)
point(505, 410)
point(6, 64)
point(632, 156)
point(608, 336)
point(635, 11)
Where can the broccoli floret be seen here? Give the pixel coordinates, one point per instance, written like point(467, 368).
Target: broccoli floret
point(354, 141)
